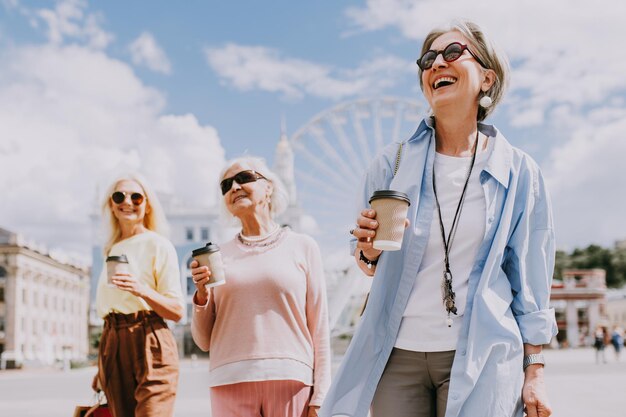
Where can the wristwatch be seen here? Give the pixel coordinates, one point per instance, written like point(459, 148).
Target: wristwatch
point(534, 358)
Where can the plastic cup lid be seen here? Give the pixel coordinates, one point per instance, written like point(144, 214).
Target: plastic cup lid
point(390, 194)
point(120, 258)
point(209, 248)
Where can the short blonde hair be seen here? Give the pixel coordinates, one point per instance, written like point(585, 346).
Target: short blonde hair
point(154, 219)
point(487, 52)
point(279, 200)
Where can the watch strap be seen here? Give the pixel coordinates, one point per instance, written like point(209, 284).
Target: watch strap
point(534, 358)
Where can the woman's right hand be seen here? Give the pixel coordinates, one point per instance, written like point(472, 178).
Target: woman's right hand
point(200, 276)
point(365, 233)
point(95, 384)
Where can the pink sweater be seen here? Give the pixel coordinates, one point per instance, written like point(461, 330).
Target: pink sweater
point(273, 306)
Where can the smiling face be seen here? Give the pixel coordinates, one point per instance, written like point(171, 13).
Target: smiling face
point(126, 211)
point(455, 86)
point(246, 198)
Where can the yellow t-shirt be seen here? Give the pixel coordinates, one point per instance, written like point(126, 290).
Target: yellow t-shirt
point(151, 259)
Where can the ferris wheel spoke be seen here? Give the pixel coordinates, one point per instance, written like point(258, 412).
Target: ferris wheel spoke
point(322, 200)
point(338, 190)
point(332, 153)
point(351, 153)
point(361, 137)
point(395, 136)
point(318, 163)
point(378, 130)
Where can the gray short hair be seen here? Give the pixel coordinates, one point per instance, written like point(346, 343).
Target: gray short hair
point(279, 200)
point(486, 51)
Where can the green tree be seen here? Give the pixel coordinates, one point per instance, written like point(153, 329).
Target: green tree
point(619, 263)
point(594, 256)
point(561, 262)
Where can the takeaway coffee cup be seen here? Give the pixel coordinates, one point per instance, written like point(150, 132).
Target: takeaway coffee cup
point(116, 265)
point(391, 210)
point(211, 256)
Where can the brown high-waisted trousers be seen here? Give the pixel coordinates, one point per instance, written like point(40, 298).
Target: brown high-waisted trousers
point(138, 365)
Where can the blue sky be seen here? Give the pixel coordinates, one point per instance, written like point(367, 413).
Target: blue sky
point(174, 89)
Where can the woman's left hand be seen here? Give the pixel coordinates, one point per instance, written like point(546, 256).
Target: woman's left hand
point(127, 282)
point(534, 393)
point(313, 409)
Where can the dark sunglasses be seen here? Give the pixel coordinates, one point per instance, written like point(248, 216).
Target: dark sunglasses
point(242, 177)
point(118, 197)
point(450, 53)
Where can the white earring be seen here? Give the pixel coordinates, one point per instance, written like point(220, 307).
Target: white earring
point(485, 101)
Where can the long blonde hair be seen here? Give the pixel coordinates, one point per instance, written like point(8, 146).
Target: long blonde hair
point(154, 218)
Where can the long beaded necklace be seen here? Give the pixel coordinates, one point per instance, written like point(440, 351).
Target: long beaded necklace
point(446, 284)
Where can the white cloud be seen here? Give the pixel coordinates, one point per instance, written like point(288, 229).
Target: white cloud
point(254, 67)
point(64, 135)
point(587, 177)
point(560, 49)
point(69, 20)
point(146, 51)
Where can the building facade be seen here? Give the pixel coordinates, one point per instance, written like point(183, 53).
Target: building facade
point(580, 302)
point(43, 305)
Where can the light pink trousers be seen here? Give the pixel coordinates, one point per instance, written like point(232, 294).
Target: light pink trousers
point(261, 399)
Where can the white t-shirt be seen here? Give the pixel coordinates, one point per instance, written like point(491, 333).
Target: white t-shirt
point(423, 327)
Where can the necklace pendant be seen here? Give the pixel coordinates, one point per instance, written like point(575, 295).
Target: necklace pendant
point(448, 293)
point(449, 321)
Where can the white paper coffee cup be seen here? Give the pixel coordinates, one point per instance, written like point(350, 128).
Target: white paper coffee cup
point(116, 264)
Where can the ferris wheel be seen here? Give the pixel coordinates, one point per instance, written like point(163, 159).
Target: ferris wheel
point(332, 152)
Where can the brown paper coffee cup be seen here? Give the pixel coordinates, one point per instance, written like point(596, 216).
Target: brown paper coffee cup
point(391, 210)
point(211, 257)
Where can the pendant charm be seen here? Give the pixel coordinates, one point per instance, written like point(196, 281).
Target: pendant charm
point(448, 293)
point(449, 321)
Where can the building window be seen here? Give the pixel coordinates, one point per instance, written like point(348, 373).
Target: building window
point(3, 272)
point(1, 324)
point(24, 296)
point(189, 233)
point(1, 294)
point(191, 287)
point(204, 234)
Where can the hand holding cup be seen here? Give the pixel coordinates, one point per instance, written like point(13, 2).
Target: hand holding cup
point(201, 275)
point(366, 232)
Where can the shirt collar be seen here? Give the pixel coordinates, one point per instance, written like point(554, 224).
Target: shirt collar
point(499, 162)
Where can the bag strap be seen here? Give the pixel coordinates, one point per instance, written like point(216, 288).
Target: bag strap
point(398, 157)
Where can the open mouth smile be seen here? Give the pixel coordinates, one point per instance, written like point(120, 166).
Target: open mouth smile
point(443, 82)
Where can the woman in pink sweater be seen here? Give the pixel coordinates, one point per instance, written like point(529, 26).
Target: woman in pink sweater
point(267, 327)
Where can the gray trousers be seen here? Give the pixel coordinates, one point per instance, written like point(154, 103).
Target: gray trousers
point(413, 384)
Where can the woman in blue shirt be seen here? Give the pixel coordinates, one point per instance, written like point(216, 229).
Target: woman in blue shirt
point(457, 318)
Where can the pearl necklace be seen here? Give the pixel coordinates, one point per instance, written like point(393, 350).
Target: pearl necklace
point(262, 241)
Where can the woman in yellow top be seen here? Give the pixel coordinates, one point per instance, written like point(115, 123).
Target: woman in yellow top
point(138, 358)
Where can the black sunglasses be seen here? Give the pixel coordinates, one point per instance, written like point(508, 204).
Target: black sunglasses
point(450, 53)
point(118, 197)
point(242, 177)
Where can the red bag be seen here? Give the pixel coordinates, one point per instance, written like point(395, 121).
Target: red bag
point(100, 409)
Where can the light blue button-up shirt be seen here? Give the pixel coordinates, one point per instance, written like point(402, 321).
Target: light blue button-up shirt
point(509, 284)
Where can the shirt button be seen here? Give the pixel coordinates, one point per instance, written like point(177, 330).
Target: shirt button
point(490, 220)
point(454, 395)
point(463, 352)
